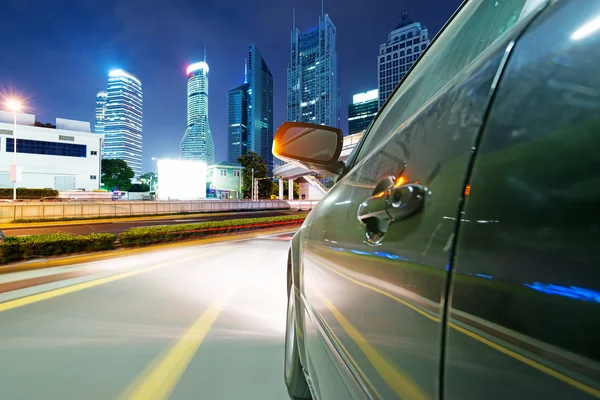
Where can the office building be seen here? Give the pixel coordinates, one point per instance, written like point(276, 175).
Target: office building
point(362, 111)
point(260, 107)
point(197, 142)
point(101, 98)
point(224, 181)
point(313, 93)
point(237, 121)
point(65, 156)
point(119, 116)
point(402, 48)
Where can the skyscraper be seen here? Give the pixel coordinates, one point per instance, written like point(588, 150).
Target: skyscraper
point(122, 121)
point(313, 93)
point(101, 98)
point(197, 142)
point(362, 111)
point(260, 106)
point(398, 54)
point(237, 123)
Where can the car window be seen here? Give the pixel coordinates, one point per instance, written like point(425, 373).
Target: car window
point(477, 25)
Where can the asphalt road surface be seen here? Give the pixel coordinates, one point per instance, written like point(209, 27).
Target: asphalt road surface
point(195, 322)
point(117, 226)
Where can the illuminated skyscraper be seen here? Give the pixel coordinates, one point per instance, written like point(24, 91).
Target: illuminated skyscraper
point(362, 111)
point(313, 93)
point(260, 107)
point(122, 121)
point(101, 98)
point(404, 45)
point(197, 142)
point(237, 123)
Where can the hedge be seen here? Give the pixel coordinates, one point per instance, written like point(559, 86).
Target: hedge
point(25, 193)
point(24, 247)
point(158, 234)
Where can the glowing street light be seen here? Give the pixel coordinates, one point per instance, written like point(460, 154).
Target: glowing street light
point(15, 106)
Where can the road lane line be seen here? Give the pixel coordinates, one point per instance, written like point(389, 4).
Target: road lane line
point(85, 285)
point(402, 384)
point(159, 380)
point(525, 360)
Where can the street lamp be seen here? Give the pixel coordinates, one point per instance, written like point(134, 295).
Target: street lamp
point(15, 106)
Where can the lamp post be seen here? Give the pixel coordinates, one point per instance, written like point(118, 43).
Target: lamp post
point(15, 106)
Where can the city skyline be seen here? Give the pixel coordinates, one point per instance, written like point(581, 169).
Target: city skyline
point(197, 142)
point(313, 75)
point(82, 54)
point(119, 117)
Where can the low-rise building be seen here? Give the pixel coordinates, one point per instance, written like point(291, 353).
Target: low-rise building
point(64, 156)
point(224, 181)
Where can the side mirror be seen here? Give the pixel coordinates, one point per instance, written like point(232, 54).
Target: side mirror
point(315, 147)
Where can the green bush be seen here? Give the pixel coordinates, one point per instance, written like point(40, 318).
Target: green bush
point(25, 193)
point(158, 234)
point(24, 247)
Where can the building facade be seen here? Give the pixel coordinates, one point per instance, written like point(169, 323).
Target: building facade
point(101, 99)
point(237, 123)
point(362, 111)
point(313, 92)
point(197, 142)
point(260, 107)
point(402, 48)
point(122, 119)
point(67, 157)
point(224, 181)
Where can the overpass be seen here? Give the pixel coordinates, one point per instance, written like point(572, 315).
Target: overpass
point(310, 187)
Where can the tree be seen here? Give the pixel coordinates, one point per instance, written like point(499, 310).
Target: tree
point(150, 179)
point(139, 187)
point(275, 190)
point(329, 184)
point(249, 161)
point(116, 174)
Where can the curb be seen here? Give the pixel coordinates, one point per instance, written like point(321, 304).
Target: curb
point(82, 258)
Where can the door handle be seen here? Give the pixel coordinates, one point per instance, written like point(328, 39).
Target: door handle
point(397, 203)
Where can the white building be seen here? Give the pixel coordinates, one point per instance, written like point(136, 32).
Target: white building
point(66, 156)
point(402, 48)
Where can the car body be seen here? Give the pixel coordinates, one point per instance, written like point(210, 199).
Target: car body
point(455, 257)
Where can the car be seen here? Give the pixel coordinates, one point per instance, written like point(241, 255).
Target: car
point(456, 255)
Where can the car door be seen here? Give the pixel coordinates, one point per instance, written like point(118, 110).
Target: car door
point(375, 288)
point(524, 313)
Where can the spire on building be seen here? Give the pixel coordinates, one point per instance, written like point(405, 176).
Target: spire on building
point(245, 70)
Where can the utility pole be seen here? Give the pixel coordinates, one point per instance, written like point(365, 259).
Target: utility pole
point(252, 190)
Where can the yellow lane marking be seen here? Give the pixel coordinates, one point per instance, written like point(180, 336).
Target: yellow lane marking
point(85, 285)
point(534, 364)
point(160, 379)
point(383, 292)
point(530, 362)
point(398, 381)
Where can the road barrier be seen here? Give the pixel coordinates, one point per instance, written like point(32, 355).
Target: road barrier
point(38, 210)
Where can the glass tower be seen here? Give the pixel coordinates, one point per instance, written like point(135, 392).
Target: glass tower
point(122, 121)
point(237, 123)
point(197, 142)
point(362, 111)
point(260, 107)
point(313, 93)
point(398, 54)
point(101, 98)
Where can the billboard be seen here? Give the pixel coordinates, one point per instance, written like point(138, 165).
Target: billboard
point(181, 180)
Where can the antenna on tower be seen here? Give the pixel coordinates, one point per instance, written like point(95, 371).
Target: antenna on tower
point(204, 51)
point(293, 18)
point(322, 8)
point(245, 70)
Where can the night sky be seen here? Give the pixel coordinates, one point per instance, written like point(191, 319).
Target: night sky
point(58, 53)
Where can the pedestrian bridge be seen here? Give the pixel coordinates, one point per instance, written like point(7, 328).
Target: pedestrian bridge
point(310, 187)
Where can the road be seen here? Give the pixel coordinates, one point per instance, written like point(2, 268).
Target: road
point(116, 226)
point(199, 321)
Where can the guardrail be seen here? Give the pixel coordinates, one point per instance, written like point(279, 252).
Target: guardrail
point(302, 205)
point(37, 210)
